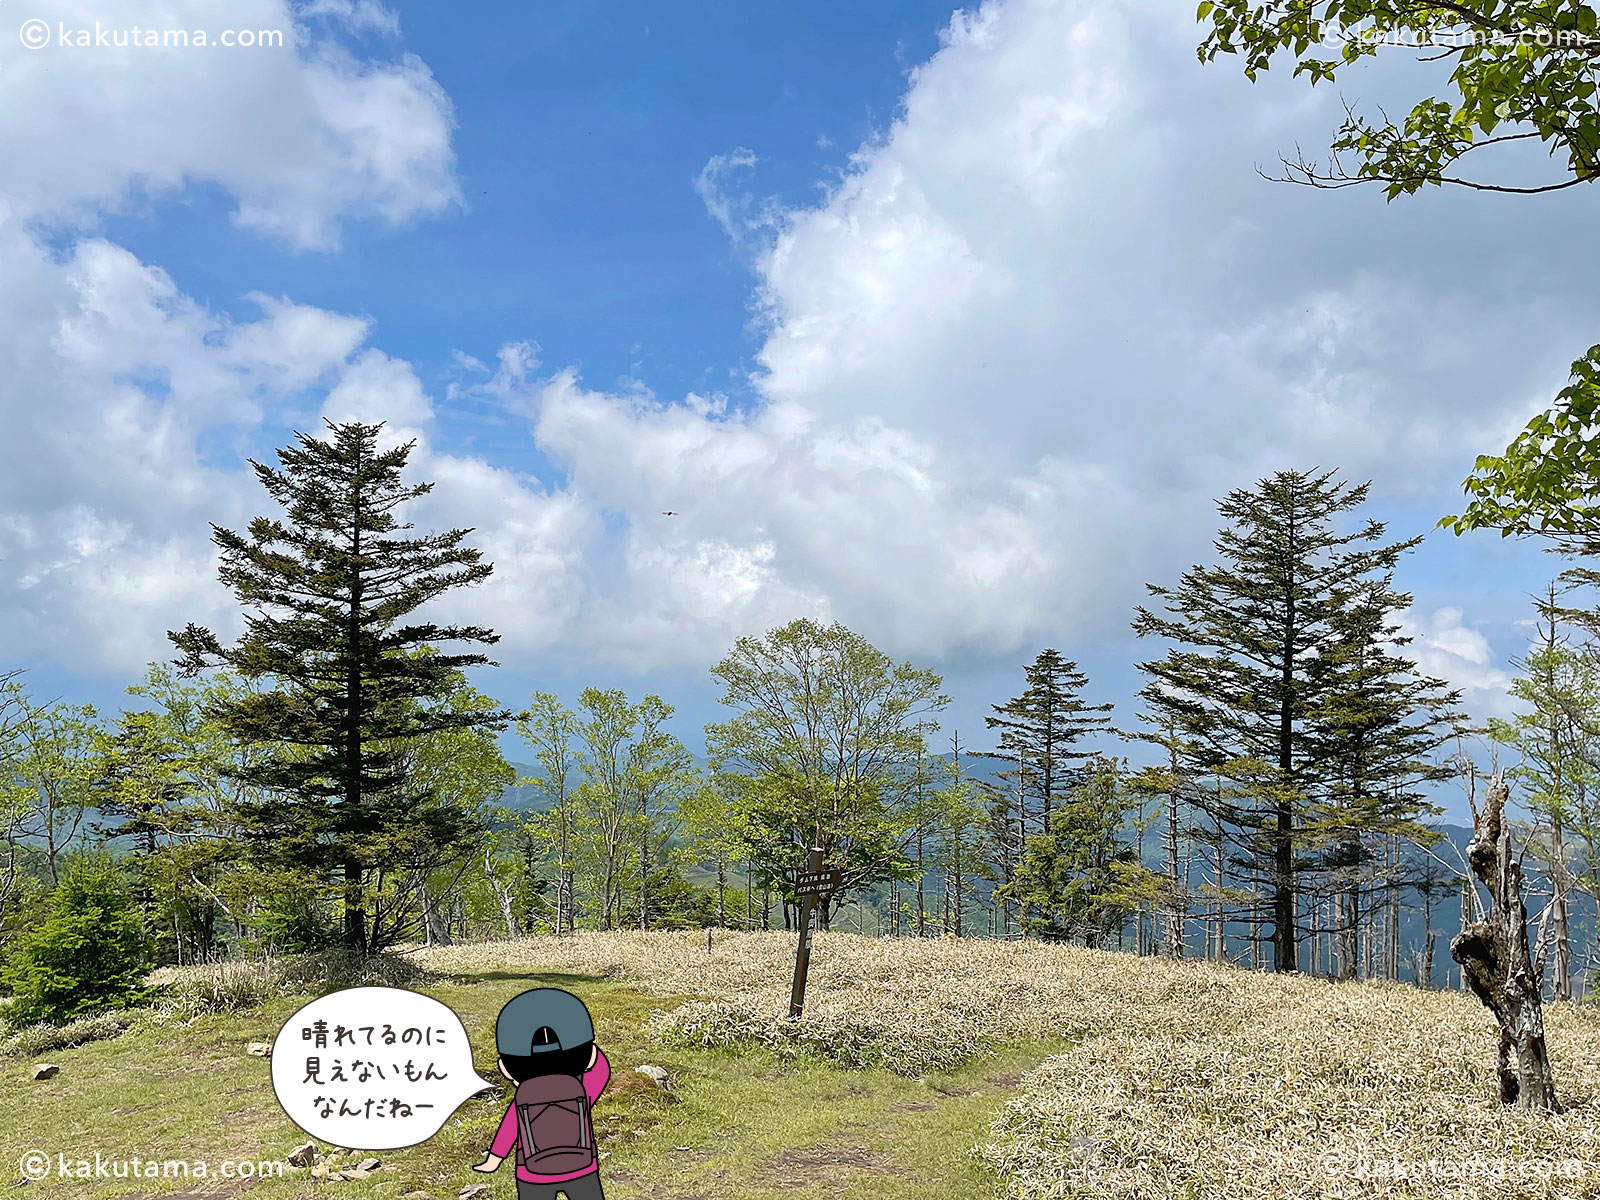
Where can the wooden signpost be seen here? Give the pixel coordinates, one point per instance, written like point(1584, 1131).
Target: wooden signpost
point(808, 884)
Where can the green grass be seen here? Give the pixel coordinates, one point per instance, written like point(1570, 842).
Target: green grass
point(745, 1124)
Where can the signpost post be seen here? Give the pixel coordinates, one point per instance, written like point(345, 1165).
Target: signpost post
point(810, 883)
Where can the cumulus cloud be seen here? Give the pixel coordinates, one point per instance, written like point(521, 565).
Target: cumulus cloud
point(113, 386)
point(304, 135)
point(1443, 648)
point(125, 405)
point(1010, 358)
point(1029, 336)
point(109, 488)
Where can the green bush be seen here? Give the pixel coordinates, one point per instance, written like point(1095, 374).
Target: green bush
point(86, 955)
point(289, 916)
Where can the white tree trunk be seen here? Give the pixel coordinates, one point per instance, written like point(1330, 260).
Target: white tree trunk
point(503, 894)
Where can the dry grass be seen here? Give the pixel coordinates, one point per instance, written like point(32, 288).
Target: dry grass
point(181, 994)
point(31, 1040)
point(1188, 1080)
point(237, 985)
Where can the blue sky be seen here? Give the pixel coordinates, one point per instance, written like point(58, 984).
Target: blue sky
point(578, 140)
point(951, 325)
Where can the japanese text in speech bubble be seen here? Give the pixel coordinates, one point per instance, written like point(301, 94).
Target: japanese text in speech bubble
point(373, 1068)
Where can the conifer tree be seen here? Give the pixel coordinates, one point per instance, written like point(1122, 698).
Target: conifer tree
point(1375, 723)
point(325, 588)
point(1069, 882)
point(1039, 729)
point(1238, 684)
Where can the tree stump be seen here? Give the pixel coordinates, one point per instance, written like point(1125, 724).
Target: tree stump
point(1496, 964)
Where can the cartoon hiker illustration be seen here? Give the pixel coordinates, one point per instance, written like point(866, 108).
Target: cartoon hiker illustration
point(546, 1042)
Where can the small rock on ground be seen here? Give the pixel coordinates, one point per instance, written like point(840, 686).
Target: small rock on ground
point(656, 1075)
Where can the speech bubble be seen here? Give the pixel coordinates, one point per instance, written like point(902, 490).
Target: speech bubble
point(373, 1068)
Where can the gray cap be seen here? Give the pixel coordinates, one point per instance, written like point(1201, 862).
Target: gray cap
point(526, 1014)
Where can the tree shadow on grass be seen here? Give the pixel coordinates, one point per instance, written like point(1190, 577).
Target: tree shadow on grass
point(558, 979)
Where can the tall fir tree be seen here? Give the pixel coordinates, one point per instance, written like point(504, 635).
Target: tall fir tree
point(325, 588)
point(1374, 727)
point(1039, 730)
point(1238, 684)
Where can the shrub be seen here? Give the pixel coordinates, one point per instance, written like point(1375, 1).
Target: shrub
point(41, 1039)
point(86, 955)
point(289, 915)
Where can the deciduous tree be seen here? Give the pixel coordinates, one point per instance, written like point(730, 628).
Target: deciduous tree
point(1555, 741)
point(826, 738)
point(1515, 71)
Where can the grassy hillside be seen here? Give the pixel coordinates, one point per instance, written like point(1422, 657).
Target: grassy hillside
point(922, 1069)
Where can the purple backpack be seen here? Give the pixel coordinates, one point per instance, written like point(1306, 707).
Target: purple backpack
point(555, 1132)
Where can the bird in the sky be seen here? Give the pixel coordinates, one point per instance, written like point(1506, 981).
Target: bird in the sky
point(669, 514)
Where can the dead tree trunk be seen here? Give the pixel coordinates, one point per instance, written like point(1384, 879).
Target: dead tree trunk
point(1494, 958)
point(1175, 911)
point(502, 893)
point(1560, 883)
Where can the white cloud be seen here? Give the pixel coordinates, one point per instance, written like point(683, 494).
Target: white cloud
point(304, 135)
point(376, 389)
point(125, 405)
point(110, 381)
point(109, 494)
point(361, 16)
point(1011, 357)
point(1443, 648)
point(730, 209)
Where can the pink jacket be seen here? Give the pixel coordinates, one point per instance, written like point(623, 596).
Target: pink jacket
point(505, 1138)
